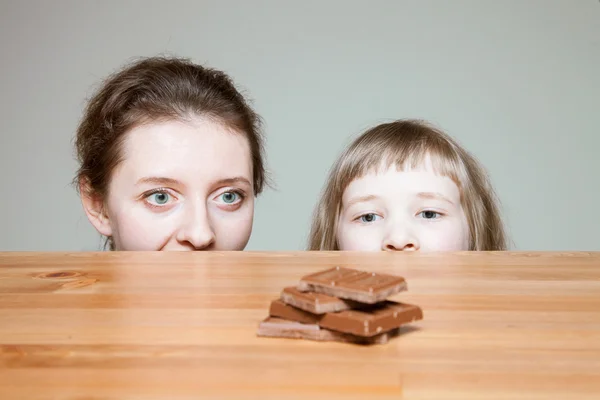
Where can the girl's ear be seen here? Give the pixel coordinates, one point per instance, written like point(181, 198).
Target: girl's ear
point(93, 205)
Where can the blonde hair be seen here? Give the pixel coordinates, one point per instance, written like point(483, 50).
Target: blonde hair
point(407, 143)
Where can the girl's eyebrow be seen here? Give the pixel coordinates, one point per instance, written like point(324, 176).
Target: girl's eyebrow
point(361, 199)
point(434, 196)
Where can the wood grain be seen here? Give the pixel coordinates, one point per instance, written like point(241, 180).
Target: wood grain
point(183, 326)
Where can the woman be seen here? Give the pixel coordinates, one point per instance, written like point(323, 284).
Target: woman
point(171, 158)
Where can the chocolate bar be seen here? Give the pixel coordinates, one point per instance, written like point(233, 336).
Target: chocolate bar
point(376, 319)
point(340, 304)
point(281, 328)
point(316, 303)
point(282, 310)
point(351, 284)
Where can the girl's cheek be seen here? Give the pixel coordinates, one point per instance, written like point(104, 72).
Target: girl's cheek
point(353, 237)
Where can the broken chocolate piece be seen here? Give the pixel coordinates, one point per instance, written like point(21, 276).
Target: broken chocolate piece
point(351, 284)
point(282, 310)
point(316, 303)
point(376, 319)
point(281, 328)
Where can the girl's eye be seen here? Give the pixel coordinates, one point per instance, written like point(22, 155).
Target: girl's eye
point(430, 214)
point(159, 198)
point(370, 217)
point(230, 197)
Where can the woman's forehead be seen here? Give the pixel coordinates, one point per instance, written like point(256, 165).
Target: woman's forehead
point(186, 151)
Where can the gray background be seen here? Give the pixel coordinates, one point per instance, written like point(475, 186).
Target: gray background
point(516, 82)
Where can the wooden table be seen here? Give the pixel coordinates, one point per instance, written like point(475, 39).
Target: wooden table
point(183, 326)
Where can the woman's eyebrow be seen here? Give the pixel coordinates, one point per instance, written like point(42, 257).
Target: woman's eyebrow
point(158, 180)
point(229, 181)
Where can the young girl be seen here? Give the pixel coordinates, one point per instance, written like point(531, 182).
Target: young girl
point(406, 185)
point(171, 158)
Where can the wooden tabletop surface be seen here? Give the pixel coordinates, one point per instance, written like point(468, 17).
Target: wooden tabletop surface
point(183, 326)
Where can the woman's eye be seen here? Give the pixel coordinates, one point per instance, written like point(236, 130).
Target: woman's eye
point(370, 217)
point(230, 197)
point(430, 214)
point(159, 198)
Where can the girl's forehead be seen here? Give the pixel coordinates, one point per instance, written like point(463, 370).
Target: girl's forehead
point(420, 162)
point(425, 164)
point(394, 182)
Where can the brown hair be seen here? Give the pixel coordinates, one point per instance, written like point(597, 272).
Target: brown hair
point(156, 89)
point(407, 143)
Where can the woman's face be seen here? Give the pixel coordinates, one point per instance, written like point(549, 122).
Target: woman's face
point(179, 186)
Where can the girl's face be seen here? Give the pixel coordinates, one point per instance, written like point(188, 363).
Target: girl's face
point(402, 210)
point(180, 186)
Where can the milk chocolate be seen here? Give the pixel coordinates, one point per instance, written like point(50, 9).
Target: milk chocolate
point(379, 318)
point(282, 310)
point(352, 284)
point(316, 303)
point(281, 328)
